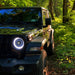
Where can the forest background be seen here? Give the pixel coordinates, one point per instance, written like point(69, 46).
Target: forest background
point(62, 13)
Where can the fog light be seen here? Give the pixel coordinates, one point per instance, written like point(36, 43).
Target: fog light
point(21, 68)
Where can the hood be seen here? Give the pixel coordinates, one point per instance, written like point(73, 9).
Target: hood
point(11, 30)
point(16, 30)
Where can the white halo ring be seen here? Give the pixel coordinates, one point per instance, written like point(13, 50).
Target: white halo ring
point(14, 43)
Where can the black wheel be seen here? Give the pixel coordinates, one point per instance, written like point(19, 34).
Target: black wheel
point(50, 49)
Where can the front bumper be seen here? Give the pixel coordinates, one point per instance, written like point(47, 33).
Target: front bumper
point(32, 65)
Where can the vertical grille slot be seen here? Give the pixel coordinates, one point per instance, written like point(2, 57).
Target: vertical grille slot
point(3, 46)
point(1, 39)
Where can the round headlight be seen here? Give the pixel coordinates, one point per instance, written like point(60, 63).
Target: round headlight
point(18, 43)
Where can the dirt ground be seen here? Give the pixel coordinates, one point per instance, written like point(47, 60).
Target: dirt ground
point(53, 67)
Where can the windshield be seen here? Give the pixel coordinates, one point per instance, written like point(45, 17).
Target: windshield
point(20, 16)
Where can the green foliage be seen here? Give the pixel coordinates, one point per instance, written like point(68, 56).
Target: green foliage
point(23, 3)
point(65, 44)
point(72, 17)
point(42, 3)
point(71, 13)
point(58, 7)
point(16, 3)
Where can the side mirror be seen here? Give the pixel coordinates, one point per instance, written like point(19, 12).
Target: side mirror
point(48, 21)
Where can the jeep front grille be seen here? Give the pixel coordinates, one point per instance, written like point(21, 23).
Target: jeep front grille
point(6, 48)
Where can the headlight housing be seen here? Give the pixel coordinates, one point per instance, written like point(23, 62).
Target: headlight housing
point(18, 43)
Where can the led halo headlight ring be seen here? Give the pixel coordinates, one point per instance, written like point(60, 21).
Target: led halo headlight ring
point(18, 43)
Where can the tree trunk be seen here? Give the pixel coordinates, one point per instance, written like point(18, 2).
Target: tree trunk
point(0, 5)
point(51, 8)
point(55, 8)
point(73, 6)
point(65, 11)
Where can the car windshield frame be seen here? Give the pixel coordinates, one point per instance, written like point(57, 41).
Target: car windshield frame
point(15, 21)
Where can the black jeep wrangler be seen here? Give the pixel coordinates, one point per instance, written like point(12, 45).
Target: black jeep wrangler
point(26, 38)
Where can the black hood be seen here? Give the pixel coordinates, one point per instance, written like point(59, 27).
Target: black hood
point(17, 30)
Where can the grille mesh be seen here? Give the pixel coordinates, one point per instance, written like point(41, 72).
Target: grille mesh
point(4, 46)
